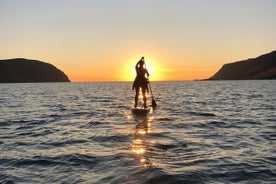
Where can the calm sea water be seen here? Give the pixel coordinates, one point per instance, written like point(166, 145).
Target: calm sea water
point(201, 132)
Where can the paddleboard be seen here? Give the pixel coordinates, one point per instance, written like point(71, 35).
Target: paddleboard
point(140, 111)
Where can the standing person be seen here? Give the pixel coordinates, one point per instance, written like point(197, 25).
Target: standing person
point(141, 81)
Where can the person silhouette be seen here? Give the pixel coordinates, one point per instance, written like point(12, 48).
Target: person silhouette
point(141, 81)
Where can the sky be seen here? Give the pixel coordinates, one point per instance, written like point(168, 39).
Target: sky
point(101, 40)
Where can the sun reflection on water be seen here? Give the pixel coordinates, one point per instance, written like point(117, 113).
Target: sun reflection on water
point(140, 144)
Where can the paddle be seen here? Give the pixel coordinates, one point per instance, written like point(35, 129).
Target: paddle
point(153, 103)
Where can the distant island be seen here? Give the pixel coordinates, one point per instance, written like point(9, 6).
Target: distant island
point(25, 70)
point(262, 67)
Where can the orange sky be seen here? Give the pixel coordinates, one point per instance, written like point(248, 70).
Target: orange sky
point(102, 40)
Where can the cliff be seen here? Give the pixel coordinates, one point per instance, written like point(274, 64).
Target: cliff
point(24, 70)
point(262, 67)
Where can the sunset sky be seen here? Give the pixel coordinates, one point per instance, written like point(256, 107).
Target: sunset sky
point(101, 40)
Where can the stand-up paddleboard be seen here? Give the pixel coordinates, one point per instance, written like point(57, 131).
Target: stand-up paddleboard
point(140, 111)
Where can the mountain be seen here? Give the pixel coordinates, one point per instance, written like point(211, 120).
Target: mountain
point(25, 70)
point(262, 67)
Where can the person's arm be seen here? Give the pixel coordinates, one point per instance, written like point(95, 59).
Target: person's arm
point(147, 73)
point(136, 66)
point(138, 63)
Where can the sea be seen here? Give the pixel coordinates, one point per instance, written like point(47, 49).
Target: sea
point(200, 132)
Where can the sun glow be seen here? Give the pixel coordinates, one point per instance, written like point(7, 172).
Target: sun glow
point(154, 68)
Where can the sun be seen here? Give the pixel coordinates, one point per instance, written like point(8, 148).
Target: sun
point(151, 64)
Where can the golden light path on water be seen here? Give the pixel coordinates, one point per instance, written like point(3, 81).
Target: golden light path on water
point(139, 143)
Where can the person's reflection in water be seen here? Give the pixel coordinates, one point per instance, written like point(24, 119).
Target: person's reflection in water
point(140, 144)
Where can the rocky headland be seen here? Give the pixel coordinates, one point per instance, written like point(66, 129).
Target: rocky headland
point(262, 67)
point(24, 70)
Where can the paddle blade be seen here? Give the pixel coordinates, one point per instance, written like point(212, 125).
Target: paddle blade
point(153, 103)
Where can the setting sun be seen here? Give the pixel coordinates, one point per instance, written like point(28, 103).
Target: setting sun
point(154, 69)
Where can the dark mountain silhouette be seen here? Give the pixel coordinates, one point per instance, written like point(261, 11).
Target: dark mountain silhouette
point(262, 67)
point(24, 70)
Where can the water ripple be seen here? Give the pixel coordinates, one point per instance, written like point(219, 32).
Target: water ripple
point(200, 132)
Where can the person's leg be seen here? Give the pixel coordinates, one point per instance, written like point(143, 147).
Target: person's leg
point(136, 96)
point(144, 97)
